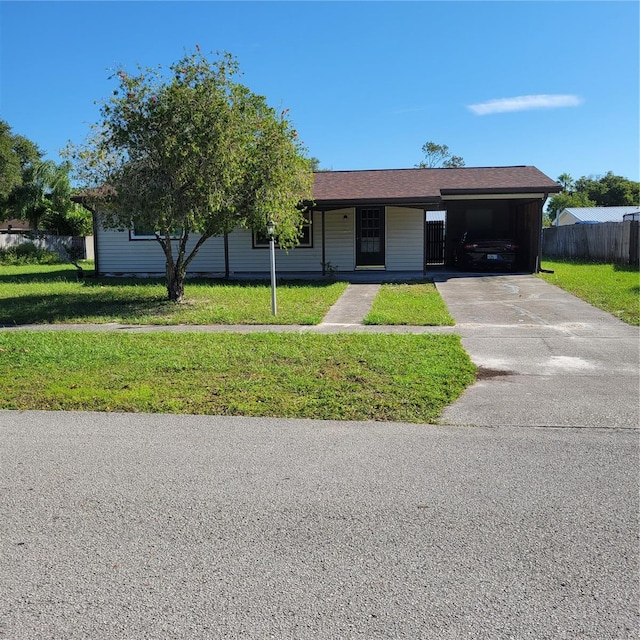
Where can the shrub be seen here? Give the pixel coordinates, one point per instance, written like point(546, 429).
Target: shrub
point(28, 253)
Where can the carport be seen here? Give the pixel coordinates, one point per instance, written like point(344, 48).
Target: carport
point(499, 202)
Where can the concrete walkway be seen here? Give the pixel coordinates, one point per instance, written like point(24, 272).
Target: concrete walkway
point(352, 306)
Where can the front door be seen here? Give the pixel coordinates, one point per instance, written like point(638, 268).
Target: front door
point(370, 249)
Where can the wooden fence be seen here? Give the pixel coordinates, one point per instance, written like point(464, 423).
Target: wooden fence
point(58, 244)
point(614, 242)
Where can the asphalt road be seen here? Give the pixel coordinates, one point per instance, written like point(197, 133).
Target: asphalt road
point(139, 526)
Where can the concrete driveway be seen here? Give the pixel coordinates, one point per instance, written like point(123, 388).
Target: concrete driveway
point(546, 358)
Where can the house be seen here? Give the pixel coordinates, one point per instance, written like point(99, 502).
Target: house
point(14, 226)
point(388, 220)
point(590, 215)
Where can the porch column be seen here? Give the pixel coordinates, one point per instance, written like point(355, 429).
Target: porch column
point(323, 237)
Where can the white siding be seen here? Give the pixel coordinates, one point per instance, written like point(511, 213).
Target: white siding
point(244, 258)
point(118, 254)
point(564, 218)
point(404, 248)
point(405, 239)
point(340, 238)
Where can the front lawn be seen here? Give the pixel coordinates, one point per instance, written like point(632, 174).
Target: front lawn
point(416, 304)
point(339, 377)
point(613, 288)
point(51, 294)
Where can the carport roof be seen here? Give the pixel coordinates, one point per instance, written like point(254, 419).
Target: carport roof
point(416, 186)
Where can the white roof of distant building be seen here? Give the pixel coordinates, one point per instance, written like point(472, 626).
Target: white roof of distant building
point(600, 214)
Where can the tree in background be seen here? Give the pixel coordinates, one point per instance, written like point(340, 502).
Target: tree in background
point(610, 190)
point(567, 182)
point(45, 191)
point(74, 220)
point(438, 155)
point(36, 190)
point(604, 191)
point(566, 199)
point(17, 155)
point(192, 151)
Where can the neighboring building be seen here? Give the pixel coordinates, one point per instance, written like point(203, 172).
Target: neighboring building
point(14, 226)
point(394, 220)
point(591, 215)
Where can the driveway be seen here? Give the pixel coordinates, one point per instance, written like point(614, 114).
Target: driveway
point(546, 358)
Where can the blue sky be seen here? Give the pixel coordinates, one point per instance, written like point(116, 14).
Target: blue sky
point(550, 84)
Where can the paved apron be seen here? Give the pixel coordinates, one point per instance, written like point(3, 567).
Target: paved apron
point(546, 358)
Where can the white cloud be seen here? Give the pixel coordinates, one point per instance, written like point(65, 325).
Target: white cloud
point(525, 103)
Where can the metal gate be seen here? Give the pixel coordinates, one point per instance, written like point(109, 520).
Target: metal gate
point(434, 242)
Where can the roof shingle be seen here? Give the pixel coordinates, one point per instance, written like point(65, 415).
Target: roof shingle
point(427, 184)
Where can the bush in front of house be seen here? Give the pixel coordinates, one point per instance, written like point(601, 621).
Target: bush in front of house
point(28, 253)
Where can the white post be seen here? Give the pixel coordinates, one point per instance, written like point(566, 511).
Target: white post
point(272, 250)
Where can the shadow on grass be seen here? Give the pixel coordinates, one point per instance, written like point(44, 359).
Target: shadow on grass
point(76, 307)
point(65, 273)
point(629, 268)
point(101, 299)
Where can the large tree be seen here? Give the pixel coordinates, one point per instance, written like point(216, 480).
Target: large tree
point(594, 191)
point(17, 155)
point(610, 190)
point(192, 151)
point(438, 155)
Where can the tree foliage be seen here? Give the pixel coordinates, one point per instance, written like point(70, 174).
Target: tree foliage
point(438, 155)
point(45, 190)
point(37, 190)
point(566, 199)
point(17, 155)
point(193, 151)
point(594, 191)
point(609, 190)
point(73, 220)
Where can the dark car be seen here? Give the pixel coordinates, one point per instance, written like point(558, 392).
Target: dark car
point(486, 253)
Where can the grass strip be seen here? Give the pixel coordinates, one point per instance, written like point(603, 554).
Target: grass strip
point(408, 378)
point(51, 294)
point(415, 304)
point(611, 287)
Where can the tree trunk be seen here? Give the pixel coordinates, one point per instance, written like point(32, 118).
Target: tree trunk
point(175, 283)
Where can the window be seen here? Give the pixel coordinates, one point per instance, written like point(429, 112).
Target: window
point(261, 241)
point(141, 232)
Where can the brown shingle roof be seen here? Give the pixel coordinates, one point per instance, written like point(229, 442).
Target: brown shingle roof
point(426, 185)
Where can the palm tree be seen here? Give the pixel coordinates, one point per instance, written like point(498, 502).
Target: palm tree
point(567, 182)
point(45, 188)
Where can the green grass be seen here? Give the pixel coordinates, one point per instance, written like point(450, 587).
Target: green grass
point(340, 377)
point(416, 304)
point(50, 294)
point(613, 288)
